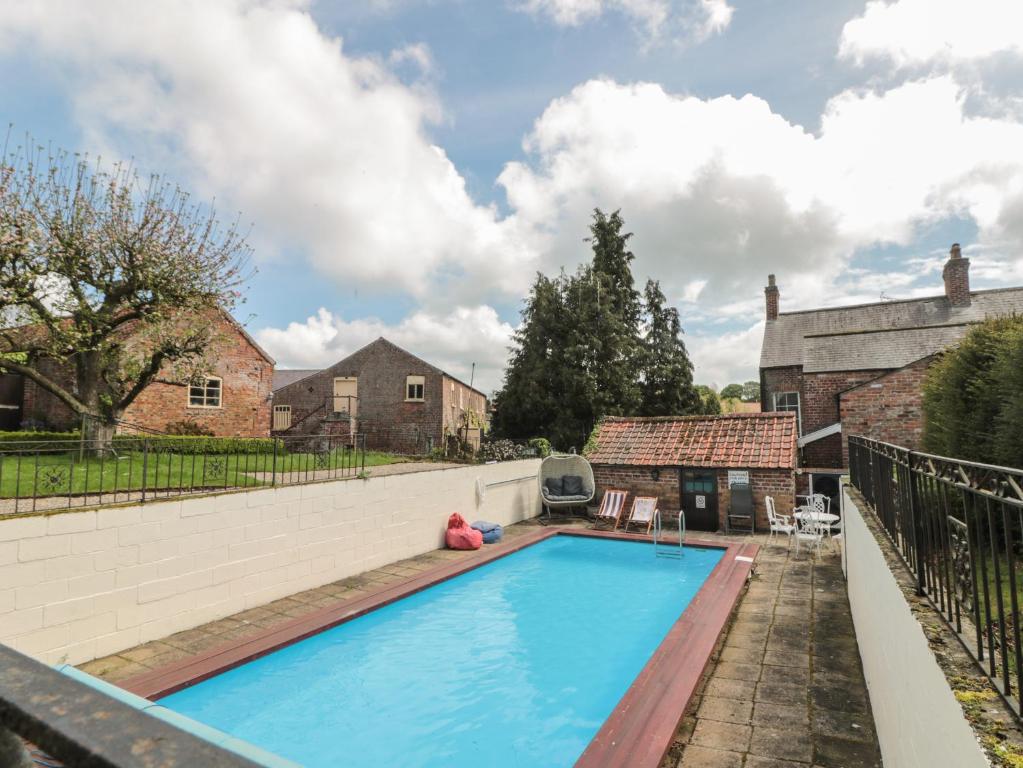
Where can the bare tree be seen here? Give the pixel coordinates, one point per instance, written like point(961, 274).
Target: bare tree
point(109, 278)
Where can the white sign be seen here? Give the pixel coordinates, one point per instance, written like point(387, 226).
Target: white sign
point(737, 476)
point(701, 502)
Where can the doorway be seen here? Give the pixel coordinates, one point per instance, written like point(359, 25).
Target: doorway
point(12, 393)
point(346, 395)
point(700, 498)
point(830, 485)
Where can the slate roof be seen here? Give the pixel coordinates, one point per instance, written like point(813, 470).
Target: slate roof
point(740, 441)
point(880, 336)
point(283, 378)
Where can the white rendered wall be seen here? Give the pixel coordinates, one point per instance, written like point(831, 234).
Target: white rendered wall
point(79, 585)
point(919, 722)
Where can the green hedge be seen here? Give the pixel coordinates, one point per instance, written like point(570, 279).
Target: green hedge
point(30, 442)
point(191, 444)
point(973, 396)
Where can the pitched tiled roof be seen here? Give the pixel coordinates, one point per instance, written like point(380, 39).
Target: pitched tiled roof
point(285, 376)
point(888, 334)
point(746, 440)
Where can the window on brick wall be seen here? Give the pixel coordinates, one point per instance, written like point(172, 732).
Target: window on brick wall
point(415, 388)
point(789, 401)
point(208, 394)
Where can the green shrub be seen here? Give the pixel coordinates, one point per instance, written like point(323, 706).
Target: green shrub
point(542, 446)
point(30, 441)
point(973, 396)
point(186, 427)
point(189, 444)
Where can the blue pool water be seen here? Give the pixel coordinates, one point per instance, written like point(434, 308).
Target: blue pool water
point(517, 663)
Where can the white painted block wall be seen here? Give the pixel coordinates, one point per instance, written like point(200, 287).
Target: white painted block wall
point(919, 722)
point(79, 585)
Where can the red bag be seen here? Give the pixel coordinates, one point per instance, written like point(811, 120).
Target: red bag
point(460, 535)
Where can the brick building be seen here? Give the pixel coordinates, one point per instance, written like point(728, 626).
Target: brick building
point(232, 400)
point(397, 400)
point(689, 462)
point(859, 369)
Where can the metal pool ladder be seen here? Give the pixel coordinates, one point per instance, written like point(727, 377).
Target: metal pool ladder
point(662, 549)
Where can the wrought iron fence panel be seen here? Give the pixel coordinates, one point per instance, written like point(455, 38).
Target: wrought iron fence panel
point(958, 526)
point(55, 474)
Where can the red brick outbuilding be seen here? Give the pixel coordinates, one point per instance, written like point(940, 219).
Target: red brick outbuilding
point(689, 462)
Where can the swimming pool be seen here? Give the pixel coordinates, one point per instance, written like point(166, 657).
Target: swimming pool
point(516, 663)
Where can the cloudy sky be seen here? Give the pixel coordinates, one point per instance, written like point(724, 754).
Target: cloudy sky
point(408, 165)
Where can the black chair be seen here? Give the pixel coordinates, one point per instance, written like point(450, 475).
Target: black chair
point(741, 515)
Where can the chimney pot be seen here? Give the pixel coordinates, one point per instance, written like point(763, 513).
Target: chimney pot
point(771, 295)
point(957, 277)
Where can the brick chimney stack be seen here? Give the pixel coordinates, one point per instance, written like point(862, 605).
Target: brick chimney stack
point(957, 278)
point(771, 293)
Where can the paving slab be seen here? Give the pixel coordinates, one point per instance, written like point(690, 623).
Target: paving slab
point(810, 704)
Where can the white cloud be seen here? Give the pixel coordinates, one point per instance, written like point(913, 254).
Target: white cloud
point(451, 341)
point(326, 152)
point(722, 191)
point(915, 32)
point(683, 20)
point(329, 154)
point(721, 359)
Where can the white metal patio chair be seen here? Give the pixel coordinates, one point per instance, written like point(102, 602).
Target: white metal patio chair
point(778, 523)
point(810, 532)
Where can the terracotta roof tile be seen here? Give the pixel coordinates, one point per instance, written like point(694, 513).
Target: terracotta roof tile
point(747, 440)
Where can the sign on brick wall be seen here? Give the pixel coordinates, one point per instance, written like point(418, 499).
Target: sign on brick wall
point(737, 476)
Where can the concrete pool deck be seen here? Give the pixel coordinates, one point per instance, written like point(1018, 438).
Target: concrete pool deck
point(784, 689)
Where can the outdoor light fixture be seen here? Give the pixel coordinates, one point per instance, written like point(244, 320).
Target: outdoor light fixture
point(655, 474)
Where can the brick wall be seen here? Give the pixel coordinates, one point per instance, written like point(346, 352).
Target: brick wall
point(245, 411)
point(383, 414)
point(826, 452)
point(779, 483)
point(639, 482)
point(775, 380)
point(819, 407)
point(388, 420)
point(888, 409)
point(42, 409)
point(819, 395)
point(83, 584)
point(459, 403)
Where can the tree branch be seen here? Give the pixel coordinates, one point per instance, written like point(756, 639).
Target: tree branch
point(144, 380)
point(46, 383)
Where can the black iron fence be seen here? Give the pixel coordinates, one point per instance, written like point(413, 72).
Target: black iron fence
point(959, 527)
point(65, 473)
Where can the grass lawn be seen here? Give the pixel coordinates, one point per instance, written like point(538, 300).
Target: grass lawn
point(65, 473)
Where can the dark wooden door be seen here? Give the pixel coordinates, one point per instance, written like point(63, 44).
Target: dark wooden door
point(700, 499)
point(12, 393)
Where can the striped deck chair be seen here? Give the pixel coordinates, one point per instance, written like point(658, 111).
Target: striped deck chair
point(643, 510)
point(611, 507)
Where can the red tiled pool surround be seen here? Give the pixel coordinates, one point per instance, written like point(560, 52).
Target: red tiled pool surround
point(640, 729)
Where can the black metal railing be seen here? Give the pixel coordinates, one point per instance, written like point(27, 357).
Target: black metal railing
point(959, 527)
point(81, 726)
point(57, 473)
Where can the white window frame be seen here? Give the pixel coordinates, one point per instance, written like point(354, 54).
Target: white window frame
point(415, 381)
point(205, 387)
point(282, 409)
point(789, 409)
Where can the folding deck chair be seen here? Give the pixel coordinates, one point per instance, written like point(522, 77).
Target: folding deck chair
point(611, 507)
point(644, 508)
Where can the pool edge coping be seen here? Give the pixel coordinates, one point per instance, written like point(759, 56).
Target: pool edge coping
point(640, 729)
